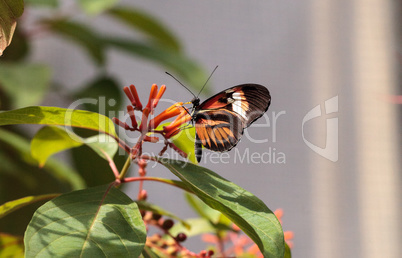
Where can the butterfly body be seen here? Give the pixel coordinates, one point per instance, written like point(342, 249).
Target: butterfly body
point(220, 120)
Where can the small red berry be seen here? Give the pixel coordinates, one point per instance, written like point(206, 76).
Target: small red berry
point(167, 224)
point(156, 216)
point(181, 237)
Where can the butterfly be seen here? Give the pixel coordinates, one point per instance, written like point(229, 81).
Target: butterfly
point(221, 119)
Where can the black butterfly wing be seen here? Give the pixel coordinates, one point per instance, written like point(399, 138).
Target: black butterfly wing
point(221, 119)
point(218, 130)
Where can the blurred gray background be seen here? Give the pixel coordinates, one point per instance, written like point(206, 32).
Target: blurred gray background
point(305, 52)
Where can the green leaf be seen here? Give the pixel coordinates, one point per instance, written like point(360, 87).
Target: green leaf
point(47, 3)
point(203, 209)
point(149, 253)
point(185, 141)
point(57, 169)
point(92, 7)
point(147, 24)
point(288, 253)
point(58, 116)
point(51, 139)
point(99, 221)
point(10, 10)
point(198, 226)
point(102, 144)
point(146, 206)
point(82, 35)
point(26, 84)
point(11, 246)
point(176, 63)
point(243, 208)
point(11, 206)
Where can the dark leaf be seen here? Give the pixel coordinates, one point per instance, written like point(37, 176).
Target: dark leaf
point(99, 221)
point(248, 212)
point(25, 84)
point(176, 63)
point(145, 23)
point(82, 35)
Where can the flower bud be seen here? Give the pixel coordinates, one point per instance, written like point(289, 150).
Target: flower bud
point(181, 237)
point(167, 224)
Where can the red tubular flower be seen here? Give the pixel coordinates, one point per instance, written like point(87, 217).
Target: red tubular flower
point(170, 112)
point(130, 111)
point(148, 108)
point(129, 95)
point(120, 123)
point(279, 214)
point(178, 150)
point(145, 127)
point(174, 127)
point(158, 96)
point(152, 96)
point(151, 139)
point(134, 93)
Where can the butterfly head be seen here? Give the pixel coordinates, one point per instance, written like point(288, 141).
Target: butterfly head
point(195, 101)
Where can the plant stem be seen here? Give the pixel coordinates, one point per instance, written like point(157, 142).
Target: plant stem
point(125, 168)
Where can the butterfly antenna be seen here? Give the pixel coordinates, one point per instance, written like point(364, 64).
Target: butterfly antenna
point(180, 83)
point(216, 67)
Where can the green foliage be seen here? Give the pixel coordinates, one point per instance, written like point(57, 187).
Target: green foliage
point(47, 3)
point(243, 208)
point(106, 92)
point(96, 7)
point(26, 84)
point(203, 209)
point(50, 140)
point(184, 140)
point(82, 35)
point(100, 221)
point(58, 116)
point(198, 226)
point(288, 252)
point(56, 169)
point(155, 30)
point(11, 206)
point(176, 63)
point(11, 246)
point(21, 177)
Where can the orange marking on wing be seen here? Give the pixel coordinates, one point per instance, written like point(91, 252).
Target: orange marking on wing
point(201, 132)
point(217, 134)
point(207, 137)
point(217, 105)
point(211, 135)
point(213, 123)
point(228, 132)
point(223, 133)
point(224, 137)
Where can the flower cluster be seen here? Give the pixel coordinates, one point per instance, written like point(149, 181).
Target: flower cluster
point(168, 246)
point(147, 126)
